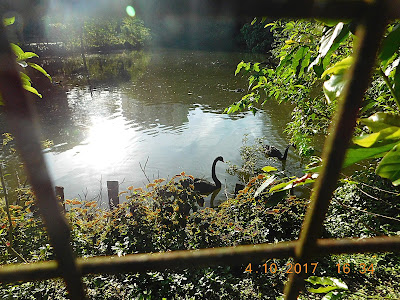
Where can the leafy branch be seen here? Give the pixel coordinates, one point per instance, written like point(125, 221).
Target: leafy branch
point(21, 58)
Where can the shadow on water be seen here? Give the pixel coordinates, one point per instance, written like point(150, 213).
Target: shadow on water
point(164, 105)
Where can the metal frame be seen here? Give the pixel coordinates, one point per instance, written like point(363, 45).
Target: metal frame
point(372, 17)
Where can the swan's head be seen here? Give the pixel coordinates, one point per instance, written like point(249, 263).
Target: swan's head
point(219, 158)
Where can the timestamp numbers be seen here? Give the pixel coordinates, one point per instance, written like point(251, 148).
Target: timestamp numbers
point(346, 268)
point(272, 268)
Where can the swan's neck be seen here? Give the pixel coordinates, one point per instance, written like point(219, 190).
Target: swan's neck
point(214, 177)
point(286, 152)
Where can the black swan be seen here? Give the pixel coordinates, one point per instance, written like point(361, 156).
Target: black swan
point(271, 151)
point(204, 186)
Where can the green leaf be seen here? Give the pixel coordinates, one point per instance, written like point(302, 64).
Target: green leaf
point(334, 86)
point(368, 104)
point(390, 44)
point(231, 109)
point(318, 68)
point(340, 67)
point(41, 70)
point(393, 65)
point(265, 184)
point(291, 184)
point(357, 153)
point(256, 67)
point(332, 38)
point(324, 289)
point(285, 59)
point(396, 80)
point(262, 80)
point(334, 295)
point(32, 90)
point(381, 120)
point(254, 21)
point(385, 135)
point(328, 22)
point(301, 52)
point(282, 186)
point(240, 66)
point(389, 167)
point(269, 24)
point(17, 50)
point(268, 169)
point(367, 140)
point(330, 41)
point(25, 79)
point(8, 21)
point(305, 62)
point(22, 63)
point(27, 55)
point(327, 281)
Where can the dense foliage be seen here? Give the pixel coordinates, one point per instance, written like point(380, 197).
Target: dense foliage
point(162, 217)
point(256, 38)
point(313, 61)
point(105, 33)
point(166, 216)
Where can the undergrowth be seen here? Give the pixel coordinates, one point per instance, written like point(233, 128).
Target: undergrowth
point(166, 216)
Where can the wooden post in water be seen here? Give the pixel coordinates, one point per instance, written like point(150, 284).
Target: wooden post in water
point(60, 195)
point(113, 190)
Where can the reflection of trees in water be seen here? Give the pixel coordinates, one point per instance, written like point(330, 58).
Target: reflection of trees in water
point(122, 67)
point(64, 112)
point(190, 79)
point(164, 115)
point(110, 68)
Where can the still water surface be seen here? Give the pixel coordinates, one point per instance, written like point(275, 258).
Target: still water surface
point(164, 107)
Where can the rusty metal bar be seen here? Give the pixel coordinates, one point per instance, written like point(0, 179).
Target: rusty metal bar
point(22, 125)
point(185, 259)
point(369, 33)
point(29, 272)
point(339, 9)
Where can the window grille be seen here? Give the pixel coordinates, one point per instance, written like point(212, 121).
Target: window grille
point(372, 18)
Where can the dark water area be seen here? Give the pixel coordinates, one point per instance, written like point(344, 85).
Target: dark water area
point(163, 107)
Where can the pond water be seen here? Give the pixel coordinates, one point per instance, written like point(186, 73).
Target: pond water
point(162, 110)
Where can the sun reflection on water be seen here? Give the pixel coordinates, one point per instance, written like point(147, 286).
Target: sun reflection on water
point(106, 144)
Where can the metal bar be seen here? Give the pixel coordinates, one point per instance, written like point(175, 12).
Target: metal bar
point(341, 246)
point(184, 259)
point(369, 33)
point(339, 9)
point(22, 125)
point(29, 272)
